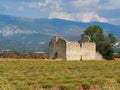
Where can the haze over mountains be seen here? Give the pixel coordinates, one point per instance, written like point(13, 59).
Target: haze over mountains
point(26, 34)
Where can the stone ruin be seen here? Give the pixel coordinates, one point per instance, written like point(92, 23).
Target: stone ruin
point(60, 48)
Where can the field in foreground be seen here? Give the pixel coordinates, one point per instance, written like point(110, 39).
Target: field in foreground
point(59, 75)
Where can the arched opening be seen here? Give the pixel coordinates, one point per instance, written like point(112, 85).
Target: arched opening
point(55, 55)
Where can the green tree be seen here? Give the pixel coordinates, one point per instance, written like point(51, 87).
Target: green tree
point(107, 51)
point(103, 45)
point(96, 35)
point(112, 39)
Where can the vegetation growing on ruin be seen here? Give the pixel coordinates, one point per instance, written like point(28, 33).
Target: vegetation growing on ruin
point(59, 75)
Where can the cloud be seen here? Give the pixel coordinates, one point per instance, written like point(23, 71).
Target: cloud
point(76, 10)
point(111, 4)
point(82, 10)
point(35, 4)
point(91, 16)
point(19, 0)
point(110, 13)
point(85, 4)
point(61, 15)
point(82, 16)
point(21, 8)
point(5, 8)
point(52, 3)
point(46, 6)
point(115, 21)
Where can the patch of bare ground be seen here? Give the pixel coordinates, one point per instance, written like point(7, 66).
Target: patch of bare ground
point(117, 58)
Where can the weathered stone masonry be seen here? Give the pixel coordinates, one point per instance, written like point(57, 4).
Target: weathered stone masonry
point(60, 48)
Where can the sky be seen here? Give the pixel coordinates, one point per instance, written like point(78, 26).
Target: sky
point(76, 10)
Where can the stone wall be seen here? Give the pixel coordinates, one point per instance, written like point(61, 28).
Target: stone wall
point(83, 51)
point(88, 51)
point(73, 51)
point(57, 48)
point(98, 56)
point(60, 48)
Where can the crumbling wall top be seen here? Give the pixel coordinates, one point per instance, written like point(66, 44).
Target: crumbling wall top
point(56, 39)
point(84, 38)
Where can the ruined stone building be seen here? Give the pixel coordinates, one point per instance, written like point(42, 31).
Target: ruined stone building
point(60, 48)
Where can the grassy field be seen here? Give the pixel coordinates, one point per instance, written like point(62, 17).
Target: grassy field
point(59, 75)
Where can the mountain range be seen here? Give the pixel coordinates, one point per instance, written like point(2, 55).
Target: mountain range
point(28, 34)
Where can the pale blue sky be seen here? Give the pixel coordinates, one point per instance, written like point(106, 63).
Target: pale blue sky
point(76, 10)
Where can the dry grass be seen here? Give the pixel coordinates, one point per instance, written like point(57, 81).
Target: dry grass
point(24, 74)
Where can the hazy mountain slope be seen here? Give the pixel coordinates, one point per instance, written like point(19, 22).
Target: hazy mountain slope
point(17, 33)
